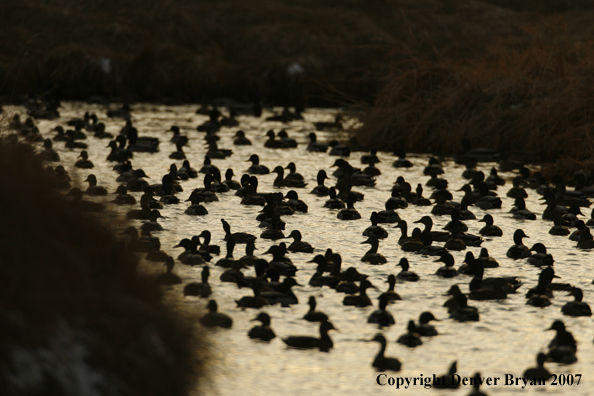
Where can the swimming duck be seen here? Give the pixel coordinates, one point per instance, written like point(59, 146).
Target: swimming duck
point(228, 261)
point(202, 289)
point(283, 294)
point(169, 278)
point(177, 136)
point(314, 145)
point(576, 307)
point(461, 311)
point(233, 274)
point(295, 203)
point(281, 181)
point(517, 190)
point(349, 213)
point(49, 154)
point(214, 318)
point(312, 315)
point(324, 343)
point(405, 274)
point(476, 384)
point(84, 162)
point(540, 257)
point(401, 162)
point(518, 249)
point(437, 236)
point(390, 294)
point(380, 316)
point(388, 215)
point(178, 154)
point(381, 362)
point(256, 301)
point(447, 381)
point(372, 256)
point(448, 270)
point(321, 190)
point(427, 249)
point(486, 260)
point(586, 241)
point(411, 338)
point(299, 246)
point(420, 200)
point(333, 202)
point(396, 201)
point(424, 329)
point(489, 229)
point(205, 245)
point(156, 254)
point(562, 348)
point(137, 183)
point(240, 237)
point(362, 300)
point(122, 112)
point(374, 229)
point(520, 212)
point(94, 189)
point(241, 140)
point(539, 371)
point(558, 227)
point(142, 144)
point(262, 332)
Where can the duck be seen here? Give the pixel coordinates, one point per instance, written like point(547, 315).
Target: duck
point(349, 213)
point(448, 270)
point(205, 245)
point(156, 254)
point(539, 372)
point(388, 215)
point(406, 274)
point(517, 190)
point(330, 126)
point(558, 228)
point(372, 256)
point(232, 184)
point(283, 294)
point(461, 311)
point(256, 301)
point(424, 329)
point(214, 318)
point(518, 250)
point(411, 338)
point(401, 162)
point(381, 362)
point(48, 153)
point(447, 381)
point(334, 202)
point(314, 145)
point(240, 237)
point(312, 315)
point(420, 200)
point(576, 307)
point(122, 112)
point(189, 256)
point(178, 154)
point(540, 257)
point(562, 348)
point(240, 139)
point(390, 294)
point(295, 203)
point(262, 332)
point(324, 343)
point(299, 246)
point(362, 300)
point(476, 384)
point(169, 278)
point(228, 261)
point(490, 229)
point(380, 316)
point(520, 212)
point(142, 144)
point(486, 260)
point(321, 190)
point(201, 289)
point(94, 190)
point(84, 162)
point(436, 236)
point(281, 181)
point(375, 230)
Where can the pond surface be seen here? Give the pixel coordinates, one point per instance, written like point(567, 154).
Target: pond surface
point(504, 341)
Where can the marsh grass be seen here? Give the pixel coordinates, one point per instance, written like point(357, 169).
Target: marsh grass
point(535, 98)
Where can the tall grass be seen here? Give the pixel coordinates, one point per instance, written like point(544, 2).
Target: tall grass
point(538, 97)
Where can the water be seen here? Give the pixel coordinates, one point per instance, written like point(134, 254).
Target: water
point(505, 340)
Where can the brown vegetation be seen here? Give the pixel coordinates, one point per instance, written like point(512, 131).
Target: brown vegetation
point(536, 97)
point(191, 50)
point(77, 316)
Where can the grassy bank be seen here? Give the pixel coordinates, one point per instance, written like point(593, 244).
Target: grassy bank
point(535, 97)
point(319, 52)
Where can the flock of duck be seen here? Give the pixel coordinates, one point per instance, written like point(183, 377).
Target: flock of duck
point(272, 280)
